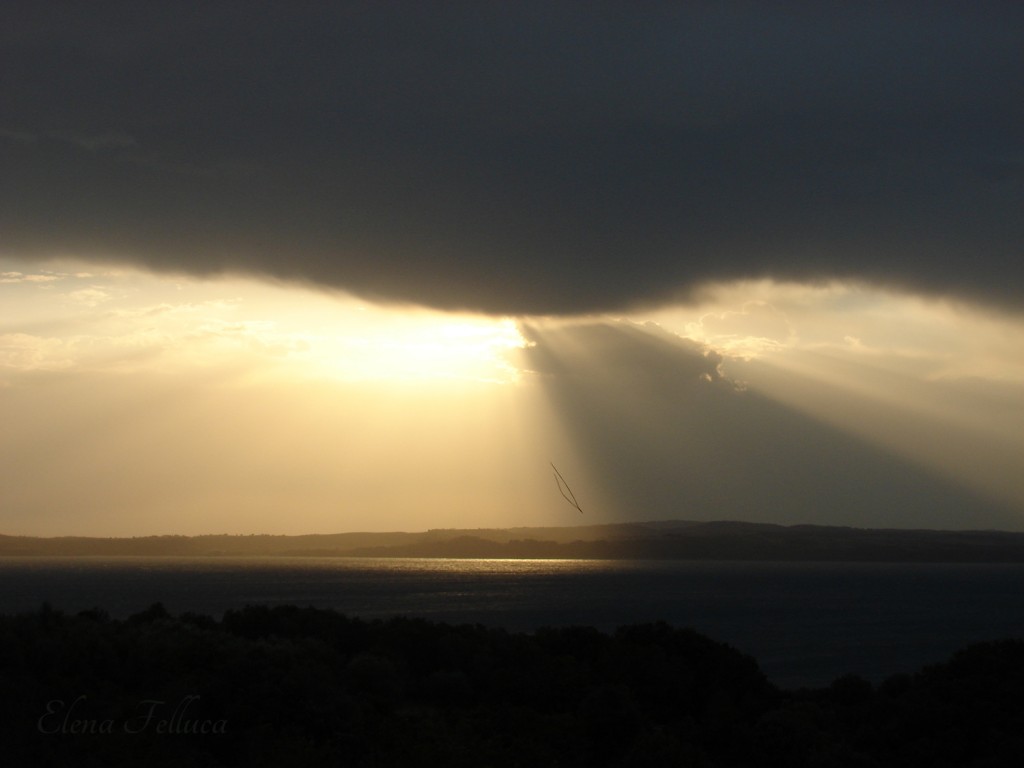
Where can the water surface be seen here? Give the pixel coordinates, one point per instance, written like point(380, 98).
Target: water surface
point(806, 623)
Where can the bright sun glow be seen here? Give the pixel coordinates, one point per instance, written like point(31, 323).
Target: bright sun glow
point(417, 346)
point(71, 317)
point(137, 403)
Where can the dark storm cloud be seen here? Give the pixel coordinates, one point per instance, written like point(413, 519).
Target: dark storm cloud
point(521, 158)
point(669, 437)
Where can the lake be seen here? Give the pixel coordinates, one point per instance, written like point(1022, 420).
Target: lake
point(805, 623)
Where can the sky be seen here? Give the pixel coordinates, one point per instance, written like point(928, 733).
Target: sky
point(277, 268)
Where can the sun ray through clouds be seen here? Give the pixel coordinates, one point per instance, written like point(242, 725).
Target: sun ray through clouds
point(938, 383)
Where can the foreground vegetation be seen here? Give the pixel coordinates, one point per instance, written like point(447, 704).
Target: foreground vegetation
point(302, 686)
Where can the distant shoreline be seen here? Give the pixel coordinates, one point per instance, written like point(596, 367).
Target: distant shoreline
point(662, 540)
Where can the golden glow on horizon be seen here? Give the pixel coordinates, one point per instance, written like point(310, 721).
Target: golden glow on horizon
point(135, 403)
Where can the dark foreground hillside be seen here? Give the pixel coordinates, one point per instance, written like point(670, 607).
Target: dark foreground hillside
point(302, 686)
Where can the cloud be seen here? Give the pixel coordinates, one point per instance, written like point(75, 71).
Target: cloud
point(25, 352)
point(756, 327)
point(532, 158)
point(927, 338)
point(95, 142)
point(21, 277)
point(18, 136)
point(92, 296)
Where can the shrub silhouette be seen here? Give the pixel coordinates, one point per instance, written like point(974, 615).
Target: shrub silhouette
point(294, 685)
